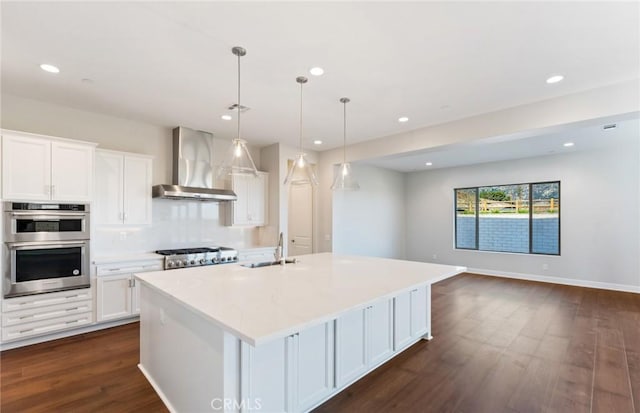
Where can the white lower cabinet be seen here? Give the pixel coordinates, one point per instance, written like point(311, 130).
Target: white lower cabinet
point(410, 316)
point(24, 317)
point(118, 293)
point(296, 373)
point(364, 339)
point(312, 361)
point(290, 374)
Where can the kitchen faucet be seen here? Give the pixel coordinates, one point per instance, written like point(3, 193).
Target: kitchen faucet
point(279, 254)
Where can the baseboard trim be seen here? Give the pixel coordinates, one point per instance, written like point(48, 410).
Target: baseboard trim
point(558, 280)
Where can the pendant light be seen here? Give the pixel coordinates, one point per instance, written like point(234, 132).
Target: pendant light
point(301, 172)
point(238, 160)
point(344, 179)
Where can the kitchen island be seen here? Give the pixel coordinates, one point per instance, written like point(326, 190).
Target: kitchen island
point(279, 338)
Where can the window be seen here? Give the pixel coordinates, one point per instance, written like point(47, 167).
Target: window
point(521, 218)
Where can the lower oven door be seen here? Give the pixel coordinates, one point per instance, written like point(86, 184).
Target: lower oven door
point(40, 267)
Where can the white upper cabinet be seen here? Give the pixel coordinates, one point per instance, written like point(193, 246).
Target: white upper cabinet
point(123, 188)
point(250, 209)
point(39, 168)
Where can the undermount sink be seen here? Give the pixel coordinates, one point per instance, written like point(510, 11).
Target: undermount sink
point(268, 263)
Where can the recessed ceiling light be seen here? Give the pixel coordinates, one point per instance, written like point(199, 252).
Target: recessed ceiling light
point(555, 79)
point(428, 163)
point(403, 119)
point(316, 71)
point(49, 68)
point(568, 144)
point(317, 142)
point(226, 117)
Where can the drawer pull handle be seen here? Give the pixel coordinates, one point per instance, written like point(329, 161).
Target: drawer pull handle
point(26, 331)
point(26, 316)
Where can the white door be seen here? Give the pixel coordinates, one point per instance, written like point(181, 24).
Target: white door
point(300, 220)
point(351, 346)
point(257, 199)
point(418, 312)
point(135, 296)
point(263, 374)
point(241, 205)
point(26, 168)
point(137, 190)
point(108, 202)
point(71, 172)
point(114, 297)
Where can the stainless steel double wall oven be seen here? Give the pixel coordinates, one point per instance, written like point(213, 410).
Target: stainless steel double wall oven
point(46, 247)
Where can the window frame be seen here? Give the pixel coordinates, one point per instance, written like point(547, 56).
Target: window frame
point(530, 218)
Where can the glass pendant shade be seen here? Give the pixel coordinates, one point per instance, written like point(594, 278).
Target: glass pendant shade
point(344, 180)
point(238, 160)
point(301, 171)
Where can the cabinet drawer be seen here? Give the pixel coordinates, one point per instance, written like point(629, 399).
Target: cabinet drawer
point(42, 300)
point(45, 313)
point(46, 326)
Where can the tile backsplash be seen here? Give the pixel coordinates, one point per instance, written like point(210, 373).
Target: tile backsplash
point(175, 224)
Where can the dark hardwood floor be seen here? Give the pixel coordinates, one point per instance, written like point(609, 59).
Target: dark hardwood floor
point(500, 346)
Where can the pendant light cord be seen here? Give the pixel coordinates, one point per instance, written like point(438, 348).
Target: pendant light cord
point(344, 134)
point(301, 117)
point(239, 96)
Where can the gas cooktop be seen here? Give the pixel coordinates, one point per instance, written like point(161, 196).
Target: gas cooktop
point(196, 257)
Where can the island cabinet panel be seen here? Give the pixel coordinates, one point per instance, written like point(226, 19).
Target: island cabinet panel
point(380, 326)
point(351, 346)
point(263, 376)
point(411, 316)
point(311, 379)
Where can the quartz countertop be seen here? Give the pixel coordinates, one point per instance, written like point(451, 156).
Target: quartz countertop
point(261, 304)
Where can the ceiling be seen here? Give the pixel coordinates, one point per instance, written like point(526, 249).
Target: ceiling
point(169, 63)
point(492, 149)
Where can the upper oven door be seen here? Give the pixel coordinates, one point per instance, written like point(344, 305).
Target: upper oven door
point(34, 226)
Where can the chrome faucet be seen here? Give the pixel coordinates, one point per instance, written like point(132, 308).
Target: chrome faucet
point(279, 254)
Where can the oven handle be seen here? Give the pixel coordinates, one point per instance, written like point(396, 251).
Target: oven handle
point(44, 215)
point(41, 245)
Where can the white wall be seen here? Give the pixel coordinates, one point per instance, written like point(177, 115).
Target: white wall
point(599, 215)
point(175, 223)
point(371, 221)
point(603, 105)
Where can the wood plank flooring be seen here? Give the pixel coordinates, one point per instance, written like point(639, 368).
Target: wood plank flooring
point(500, 346)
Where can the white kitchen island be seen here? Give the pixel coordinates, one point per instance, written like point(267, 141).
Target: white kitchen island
point(279, 338)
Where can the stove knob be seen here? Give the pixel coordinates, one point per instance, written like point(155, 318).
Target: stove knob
point(169, 264)
point(193, 262)
point(202, 261)
point(184, 262)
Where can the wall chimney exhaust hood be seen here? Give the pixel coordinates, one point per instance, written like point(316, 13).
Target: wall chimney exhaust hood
point(193, 170)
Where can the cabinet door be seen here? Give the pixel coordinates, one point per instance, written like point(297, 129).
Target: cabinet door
point(240, 206)
point(351, 346)
point(256, 202)
point(135, 296)
point(380, 326)
point(418, 312)
point(314, 366)
point(114, 297)
point(108, 203)
point(137, 190)
point(26, 168)
point(402, 321)
point(71, 172)
point(263, 374)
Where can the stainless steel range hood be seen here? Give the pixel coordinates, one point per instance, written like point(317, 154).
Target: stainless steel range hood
point(193, 170)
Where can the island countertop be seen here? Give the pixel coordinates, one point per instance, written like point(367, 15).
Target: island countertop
point(260, 304)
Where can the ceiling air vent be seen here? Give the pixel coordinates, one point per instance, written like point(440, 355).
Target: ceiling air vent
point(610, 126)
point(235, 107)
